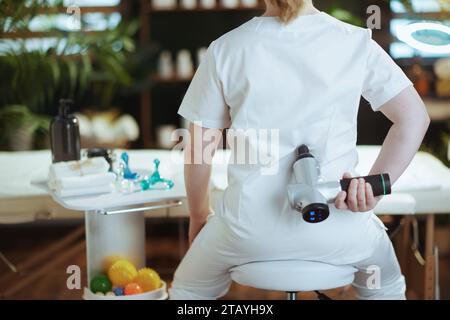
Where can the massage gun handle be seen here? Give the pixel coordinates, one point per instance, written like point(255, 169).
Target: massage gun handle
point(381, 184)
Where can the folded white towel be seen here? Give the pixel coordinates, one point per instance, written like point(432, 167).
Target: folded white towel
point(84, 191)
point(80, 168)
point(91, 180)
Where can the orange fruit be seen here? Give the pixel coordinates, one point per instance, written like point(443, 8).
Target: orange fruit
point(132, 288)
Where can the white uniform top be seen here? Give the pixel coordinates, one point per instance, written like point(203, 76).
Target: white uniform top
point(305, 79)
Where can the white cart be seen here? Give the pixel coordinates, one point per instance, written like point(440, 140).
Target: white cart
point(115, 223)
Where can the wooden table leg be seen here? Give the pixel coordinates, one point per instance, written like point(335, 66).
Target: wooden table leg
point(404, 243)
point(419, 269)
point(430, 266)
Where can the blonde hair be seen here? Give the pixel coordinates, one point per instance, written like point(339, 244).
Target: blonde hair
point(289, 9)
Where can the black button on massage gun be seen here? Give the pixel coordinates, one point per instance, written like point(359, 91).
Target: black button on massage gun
point(311, 197)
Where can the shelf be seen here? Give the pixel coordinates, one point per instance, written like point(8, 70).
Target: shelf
point(443, 15)
point(146, 14)
point(83, 10)
point(63, 10)
point(200, 9)
point(41, 34)
point(59, 10)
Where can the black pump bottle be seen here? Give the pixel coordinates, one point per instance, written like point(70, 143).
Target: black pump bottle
point(65, 134)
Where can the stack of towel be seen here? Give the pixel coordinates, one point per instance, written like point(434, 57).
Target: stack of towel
point(80, 178)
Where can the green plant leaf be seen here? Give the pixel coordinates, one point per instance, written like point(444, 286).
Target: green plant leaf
point(73, 76)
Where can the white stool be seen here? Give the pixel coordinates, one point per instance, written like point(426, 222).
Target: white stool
point(292, 276)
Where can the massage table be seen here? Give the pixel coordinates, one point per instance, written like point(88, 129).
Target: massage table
point(24, 201)
point(422, 191)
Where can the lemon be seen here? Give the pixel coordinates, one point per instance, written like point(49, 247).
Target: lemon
point(121, 273)
point(148, 279)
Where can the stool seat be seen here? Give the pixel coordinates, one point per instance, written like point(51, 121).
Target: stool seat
point(293, 275)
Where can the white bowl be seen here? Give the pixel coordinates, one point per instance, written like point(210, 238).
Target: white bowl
point(158, 294)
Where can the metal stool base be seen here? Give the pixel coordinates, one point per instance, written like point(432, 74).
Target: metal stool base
point(293, 296)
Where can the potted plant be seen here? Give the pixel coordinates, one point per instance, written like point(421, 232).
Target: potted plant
point(21, 128)
point(102, 63)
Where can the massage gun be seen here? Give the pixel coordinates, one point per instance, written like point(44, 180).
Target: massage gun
point(310, 197)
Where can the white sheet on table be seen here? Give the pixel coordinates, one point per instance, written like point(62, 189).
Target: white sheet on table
point(424, 173)
point(18, 168)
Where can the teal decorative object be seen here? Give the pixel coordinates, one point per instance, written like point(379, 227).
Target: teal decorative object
point(127, 173)
point(155, 181)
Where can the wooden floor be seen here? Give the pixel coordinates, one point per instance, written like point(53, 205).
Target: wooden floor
point(45, 276)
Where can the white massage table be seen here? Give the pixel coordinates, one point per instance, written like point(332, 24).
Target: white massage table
point(424, 189)
point(23, 201)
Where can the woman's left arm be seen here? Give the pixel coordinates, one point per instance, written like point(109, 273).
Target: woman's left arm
point(410, 121)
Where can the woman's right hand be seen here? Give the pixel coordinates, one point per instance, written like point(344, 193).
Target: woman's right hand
point(359, 197)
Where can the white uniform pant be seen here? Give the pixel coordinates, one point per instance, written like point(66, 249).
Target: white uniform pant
point(204, 271)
